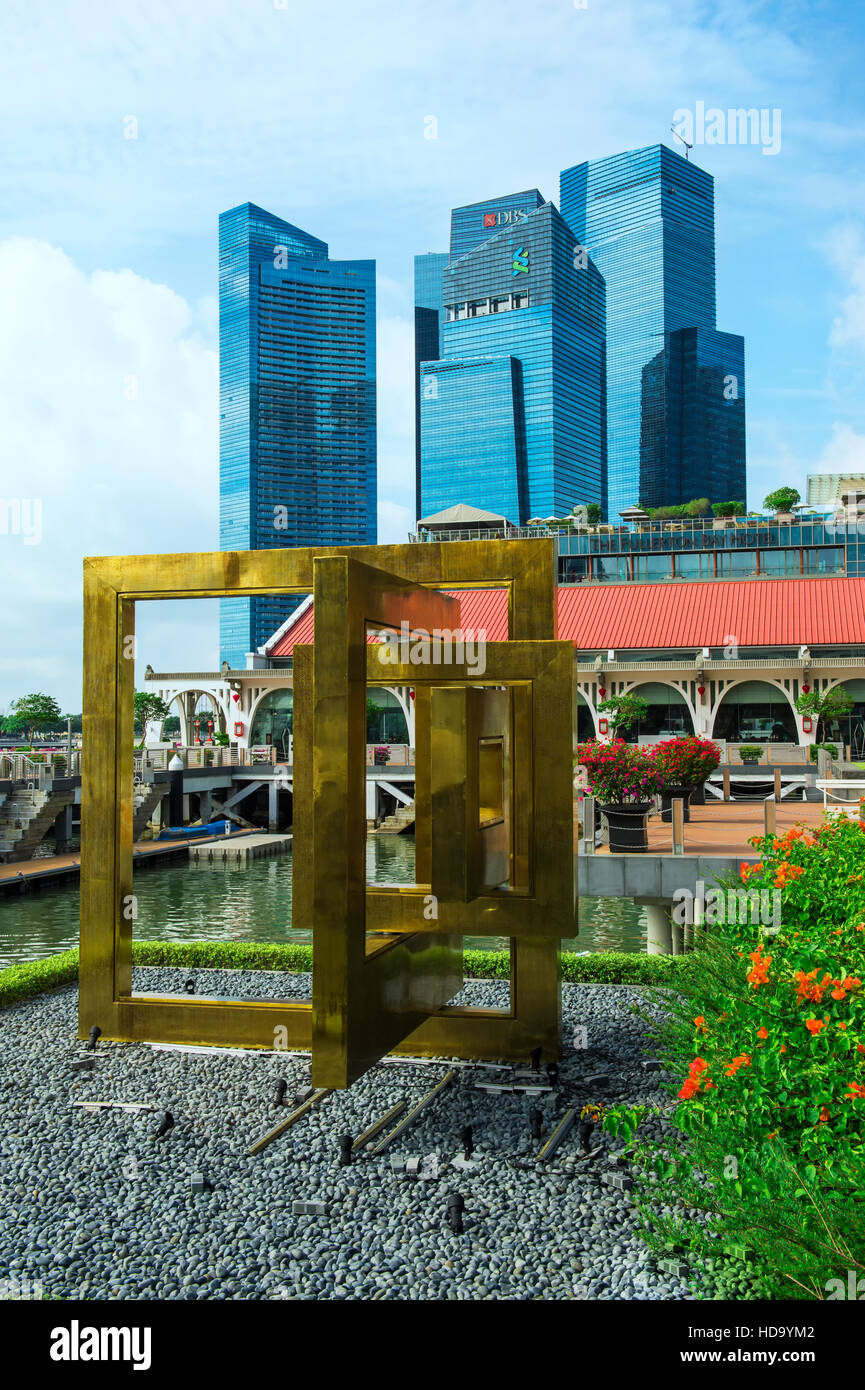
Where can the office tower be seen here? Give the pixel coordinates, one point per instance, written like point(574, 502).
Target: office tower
point(647, 220)
point(429, 313)
point(692, 429)
point(512, 412)
point(297, 389)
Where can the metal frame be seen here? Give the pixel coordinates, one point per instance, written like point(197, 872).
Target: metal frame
point(386, 582)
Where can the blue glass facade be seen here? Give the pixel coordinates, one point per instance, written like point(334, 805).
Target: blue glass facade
point(297, 441)
point(429, 314)
point(513, 412)
point(692, 425)
point(647, 220)
point(477, 222)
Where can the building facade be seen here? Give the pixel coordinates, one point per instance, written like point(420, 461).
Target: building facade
point(647, 220)
point(297, 404)
point(513, 412)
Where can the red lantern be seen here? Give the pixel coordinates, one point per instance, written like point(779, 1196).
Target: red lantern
point(805, 689)
point(235, 697)
point(238, 728)
point(411, 694)
point(701, 689)
point(602, 690)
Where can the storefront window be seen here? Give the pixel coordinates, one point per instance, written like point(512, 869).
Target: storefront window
point(668, 716)
point(755, 712)
point(849, 730)
point(272, 721)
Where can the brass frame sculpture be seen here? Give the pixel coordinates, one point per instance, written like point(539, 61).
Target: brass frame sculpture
point(386, 960)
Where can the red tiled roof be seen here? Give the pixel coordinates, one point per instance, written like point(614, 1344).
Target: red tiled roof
point(633, 617)
point(481, 610)
point(756, 612)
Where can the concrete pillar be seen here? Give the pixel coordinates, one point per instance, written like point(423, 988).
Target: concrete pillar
point(273, 805)
point(371, 801)
point(186, 809)
point(660, 930)
point(63, 830)
point(205, 807)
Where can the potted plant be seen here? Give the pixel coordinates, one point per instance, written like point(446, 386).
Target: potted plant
point(781, 502)
point(683, 765)
point(381, 755)
point(750, 753)
point(623, 779)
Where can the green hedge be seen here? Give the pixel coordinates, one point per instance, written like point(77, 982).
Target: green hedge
point(601, 967)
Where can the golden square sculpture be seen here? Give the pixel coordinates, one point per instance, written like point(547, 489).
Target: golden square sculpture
point(494, 805)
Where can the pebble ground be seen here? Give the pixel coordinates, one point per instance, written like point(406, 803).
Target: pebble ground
point(97, 1206)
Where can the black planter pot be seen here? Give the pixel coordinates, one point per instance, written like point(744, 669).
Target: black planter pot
point(698, 794)
point(676, 794)
point(627, 822)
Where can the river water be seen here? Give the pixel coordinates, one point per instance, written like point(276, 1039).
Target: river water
point(212, 902)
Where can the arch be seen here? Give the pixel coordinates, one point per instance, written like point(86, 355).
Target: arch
point(849, 729)
point(670, 714)
point(188, 701)
point(755, 711)
point(587, 725)
point(389, 724)
point(271, 720)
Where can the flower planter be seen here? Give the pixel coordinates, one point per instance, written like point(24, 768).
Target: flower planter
point(380, 759)
point(671, 794)
point(698, 794)
point(627, 822)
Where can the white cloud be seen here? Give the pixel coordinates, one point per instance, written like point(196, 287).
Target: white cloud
point(843, 453)
point(108, 397)
point(846, 251)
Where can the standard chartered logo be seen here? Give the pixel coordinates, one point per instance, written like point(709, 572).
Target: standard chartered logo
point(521, 261)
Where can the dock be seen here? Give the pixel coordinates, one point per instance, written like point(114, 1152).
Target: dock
point(240, 848)
point(30, 875)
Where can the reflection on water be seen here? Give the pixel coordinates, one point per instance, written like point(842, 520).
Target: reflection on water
point(212, 902)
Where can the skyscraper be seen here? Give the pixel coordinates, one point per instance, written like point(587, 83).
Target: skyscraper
point(297, 391)
point(512, 412)
point(647, 220)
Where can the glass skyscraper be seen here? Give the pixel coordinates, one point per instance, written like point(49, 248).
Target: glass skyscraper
point(647, 220)
point(297, 402)
point(512, 412)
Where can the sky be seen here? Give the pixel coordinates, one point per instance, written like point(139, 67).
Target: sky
point(127, 129)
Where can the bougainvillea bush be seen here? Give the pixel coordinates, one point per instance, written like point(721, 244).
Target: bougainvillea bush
point(618, 772)
point(766, 1041)
point(685, 762)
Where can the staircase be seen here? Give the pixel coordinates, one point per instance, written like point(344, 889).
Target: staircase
point(26, 816)
point(401, 820)
point(146, 796)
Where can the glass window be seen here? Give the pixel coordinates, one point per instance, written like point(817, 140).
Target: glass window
point(737, 564)
point(652, 567)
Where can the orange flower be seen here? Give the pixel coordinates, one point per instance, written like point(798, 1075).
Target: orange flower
point(762, 1032)
point(824, 1115)
point(700, 1024)
point(814, 1025)
point(856, 1091)
point(758, 974)
point(743, 1060)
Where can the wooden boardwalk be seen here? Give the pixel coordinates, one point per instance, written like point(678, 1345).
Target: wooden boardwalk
point(722, 829)
point(25, 874)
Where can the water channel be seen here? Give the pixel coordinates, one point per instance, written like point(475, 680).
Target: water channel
point(211, 902)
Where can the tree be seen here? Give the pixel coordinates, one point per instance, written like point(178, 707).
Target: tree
point(783, 499)
point(623, 711)
point(826, 704)
point(37, 711)
point(149, 707)
point(728, 508)
point(586, 513)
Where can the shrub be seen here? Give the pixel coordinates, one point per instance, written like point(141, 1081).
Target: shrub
point(748, 751)
point(685, 761)
point(830, 748)
point(766, 1038)
point(618, 772)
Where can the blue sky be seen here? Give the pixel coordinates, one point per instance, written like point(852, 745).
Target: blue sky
point(108, 268)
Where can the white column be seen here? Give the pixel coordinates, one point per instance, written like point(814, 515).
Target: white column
point(660, 930)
